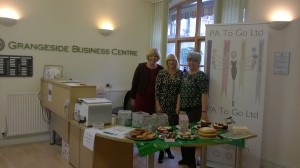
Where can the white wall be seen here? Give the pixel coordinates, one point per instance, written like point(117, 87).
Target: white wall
point(74, 23)
point(281, 117)
point(70, 23)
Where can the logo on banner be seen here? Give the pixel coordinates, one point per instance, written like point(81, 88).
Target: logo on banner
point(236, 59)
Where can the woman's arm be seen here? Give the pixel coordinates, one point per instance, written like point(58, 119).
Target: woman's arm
point(158, 90)
point(178, 104)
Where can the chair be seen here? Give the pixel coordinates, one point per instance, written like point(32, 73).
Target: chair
point(127, 102)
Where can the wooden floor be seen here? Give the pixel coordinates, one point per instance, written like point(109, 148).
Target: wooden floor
point(37, 155)
point(43, 155)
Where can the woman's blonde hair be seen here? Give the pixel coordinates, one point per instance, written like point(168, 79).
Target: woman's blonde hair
point(152, 52)
point(171, 57)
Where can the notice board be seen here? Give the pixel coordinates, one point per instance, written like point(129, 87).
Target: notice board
point(16, 66)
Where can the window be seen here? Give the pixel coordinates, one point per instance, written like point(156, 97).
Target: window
point(187, 21)
point(186, 28)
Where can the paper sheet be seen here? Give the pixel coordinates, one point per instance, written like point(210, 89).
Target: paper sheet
point(89, 137)
point(93, 100)
point(116, 132)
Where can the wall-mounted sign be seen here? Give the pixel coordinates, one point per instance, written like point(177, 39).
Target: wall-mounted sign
point(15, 66)
point(14, 45)
point(281, 63)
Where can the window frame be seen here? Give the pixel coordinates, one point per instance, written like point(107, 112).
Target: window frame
point(225, 11)
point(197, 38)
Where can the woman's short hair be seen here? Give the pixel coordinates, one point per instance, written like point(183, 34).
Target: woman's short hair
point(171, 57)
point(152, 52)
point(195, 56)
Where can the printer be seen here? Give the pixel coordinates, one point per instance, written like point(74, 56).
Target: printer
point(92, 110)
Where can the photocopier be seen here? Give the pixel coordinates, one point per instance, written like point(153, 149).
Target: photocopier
point(92, 110)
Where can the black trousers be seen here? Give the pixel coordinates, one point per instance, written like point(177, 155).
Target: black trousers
point(188, 153)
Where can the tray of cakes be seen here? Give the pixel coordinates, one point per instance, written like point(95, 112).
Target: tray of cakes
point(202, 123)
point(166, 133)
point(168, 137)
point(220, 126)
point(188, 135)
point(164, 129)
point(141, 134)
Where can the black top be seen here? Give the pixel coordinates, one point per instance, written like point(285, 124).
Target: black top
point(140, 79)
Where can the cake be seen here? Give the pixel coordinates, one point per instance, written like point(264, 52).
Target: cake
point(220, 126)
point(207, 132)
point(204, 123)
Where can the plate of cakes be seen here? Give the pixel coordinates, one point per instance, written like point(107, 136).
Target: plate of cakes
point(188, 135)
point(220, 126)
point(164, 129)
point(141, 134)
point(202, 123)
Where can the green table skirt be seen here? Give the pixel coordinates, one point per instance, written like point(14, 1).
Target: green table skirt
point(151, 146)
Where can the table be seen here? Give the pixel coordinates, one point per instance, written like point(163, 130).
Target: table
point(148, 148)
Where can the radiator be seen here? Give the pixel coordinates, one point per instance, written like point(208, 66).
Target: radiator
point(116, 97)
point(25, 114)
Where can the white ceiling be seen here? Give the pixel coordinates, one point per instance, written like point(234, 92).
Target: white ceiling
point(151, 0)
point(172, 2)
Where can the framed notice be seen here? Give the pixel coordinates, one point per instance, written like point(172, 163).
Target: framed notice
point(281, 63)
point(16, 66)
point(53, 71)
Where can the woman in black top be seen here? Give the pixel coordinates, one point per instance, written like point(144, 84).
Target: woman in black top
point(143, 83)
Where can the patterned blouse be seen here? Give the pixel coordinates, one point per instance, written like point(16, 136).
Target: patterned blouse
point(192, 88)
point(166, 92)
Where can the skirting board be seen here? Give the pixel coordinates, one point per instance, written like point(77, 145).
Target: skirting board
point(269, 164)
point(263, 164)
point(24, 139)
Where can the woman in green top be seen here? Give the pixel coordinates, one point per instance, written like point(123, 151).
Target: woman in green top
point(193, 100)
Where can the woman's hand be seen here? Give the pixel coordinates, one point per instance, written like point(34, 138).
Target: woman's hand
point(158, 108)
point(177, 110)
point(133, 103)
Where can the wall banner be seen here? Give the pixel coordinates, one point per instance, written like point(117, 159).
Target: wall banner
point(236, 65)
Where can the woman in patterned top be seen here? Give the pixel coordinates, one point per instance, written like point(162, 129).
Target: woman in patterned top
point(167, 87)
point(193, 100)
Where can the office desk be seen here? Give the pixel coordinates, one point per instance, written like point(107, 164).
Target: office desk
point(107, 152)
point(59, 97)
point(112, 152)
